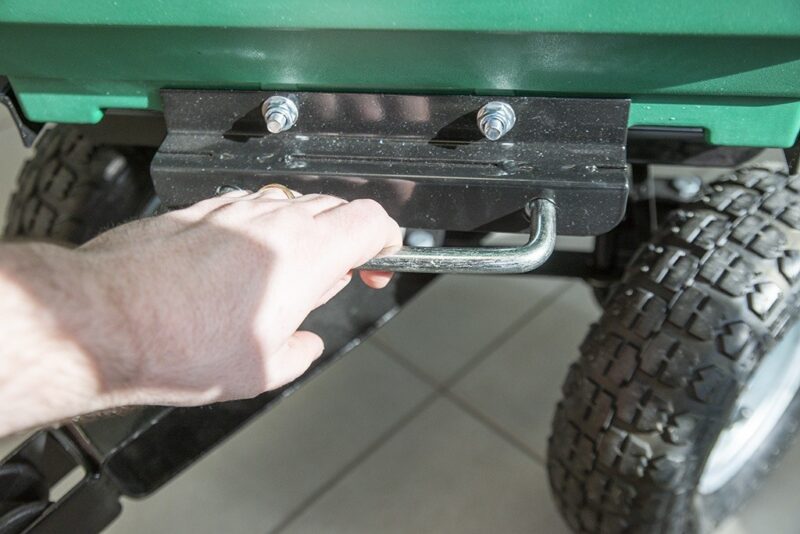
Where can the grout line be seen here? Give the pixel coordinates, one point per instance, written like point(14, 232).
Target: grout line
point(445, 388)
point(407, 364)
point(465, 407)
point(399, 425)
point(486, 351)
point(355, 462)
point(439, 390)
point(495, 427)
point(510, 331)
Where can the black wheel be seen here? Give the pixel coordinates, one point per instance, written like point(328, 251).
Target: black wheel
point(686, 391)
point(73, 189)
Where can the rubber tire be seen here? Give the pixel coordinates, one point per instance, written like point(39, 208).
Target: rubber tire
point(73, 189)
point(658, 374)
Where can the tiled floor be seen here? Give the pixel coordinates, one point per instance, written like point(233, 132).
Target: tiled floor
point(12, 154)
point(436, 424)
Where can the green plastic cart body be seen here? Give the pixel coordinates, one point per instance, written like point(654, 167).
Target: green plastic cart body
point(732, 69)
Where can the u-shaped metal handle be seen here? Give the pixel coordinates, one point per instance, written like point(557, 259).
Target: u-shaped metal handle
point(479, 260)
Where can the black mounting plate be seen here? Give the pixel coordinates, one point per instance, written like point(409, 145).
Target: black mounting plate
point(422, 157)
point(28, 131)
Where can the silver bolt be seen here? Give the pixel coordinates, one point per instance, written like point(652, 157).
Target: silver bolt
point(742, 414)
point(224, 189)
point(280, 113)
point(114, 167)
point(687, 186)
point(496, 119)
point(419, 238)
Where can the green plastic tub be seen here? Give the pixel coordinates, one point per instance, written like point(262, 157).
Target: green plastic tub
point(730, 67)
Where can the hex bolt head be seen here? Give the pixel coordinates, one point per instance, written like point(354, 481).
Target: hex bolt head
point(419, 238)
point(224, 189)
point(280, 113)
point(496, 119)
point(687, 186)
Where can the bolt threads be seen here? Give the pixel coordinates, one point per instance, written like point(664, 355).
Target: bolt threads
point(496, 119)
point(280, 114)
point(276, 122)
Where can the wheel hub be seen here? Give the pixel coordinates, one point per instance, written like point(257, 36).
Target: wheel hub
point(758, 409)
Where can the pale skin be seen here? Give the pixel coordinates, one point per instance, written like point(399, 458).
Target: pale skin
point(195, 306)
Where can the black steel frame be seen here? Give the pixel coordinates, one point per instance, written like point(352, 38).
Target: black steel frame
point(421, 156)
point(28, 130)
point(135, 452)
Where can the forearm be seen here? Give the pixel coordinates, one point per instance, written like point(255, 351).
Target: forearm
point(49, 361)
point(196, 306)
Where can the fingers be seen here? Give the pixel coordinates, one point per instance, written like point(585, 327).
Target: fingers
point(293, 359)
point(313, 203)
point(359, 231)
point(274, 193)
point(320, 203)
point(355, 231)
point(266, 200)
point(376, 279)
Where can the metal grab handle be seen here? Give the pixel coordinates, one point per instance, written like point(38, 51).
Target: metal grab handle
point(479, 260)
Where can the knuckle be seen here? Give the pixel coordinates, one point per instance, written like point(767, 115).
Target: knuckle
point(286, 224)
point(331, 197)
point(293, 214)
point(233, 210)
point(204, 206)
point(369, 207)
point(396, 228)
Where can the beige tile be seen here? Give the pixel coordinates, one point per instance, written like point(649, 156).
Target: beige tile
point(12, 154)
point(9, 443)
point(251, 482)
point(452, 320)
point(518, 386)
point(444, 472)
point(732, 526)
point(6, 122)
point(774, 507)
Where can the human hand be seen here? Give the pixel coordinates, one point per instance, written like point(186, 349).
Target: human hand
point(208, 299)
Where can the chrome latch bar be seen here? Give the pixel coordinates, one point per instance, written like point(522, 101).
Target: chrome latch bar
point(497, 260)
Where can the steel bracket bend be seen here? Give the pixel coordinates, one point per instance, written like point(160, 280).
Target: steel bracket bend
point(479, 260)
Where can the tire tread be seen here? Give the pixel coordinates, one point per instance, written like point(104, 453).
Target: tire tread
point(72, 189)
point(680, 334)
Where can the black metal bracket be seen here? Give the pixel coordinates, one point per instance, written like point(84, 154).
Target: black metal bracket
point(422, 157)
point(28, 131)
point(792, 155)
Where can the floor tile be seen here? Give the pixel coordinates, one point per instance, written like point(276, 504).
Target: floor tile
point(518, 386)
point(12, 154)
point(774, 507)
point(458, 315)
point(9, 443)
point(732, 526)
point(6, 122)
point(444, 472)
point(253, 481)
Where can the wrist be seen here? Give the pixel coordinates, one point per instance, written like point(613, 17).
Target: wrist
point(99, 321)
point(62, 358)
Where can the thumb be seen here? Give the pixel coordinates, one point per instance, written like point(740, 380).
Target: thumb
point(293, 358)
